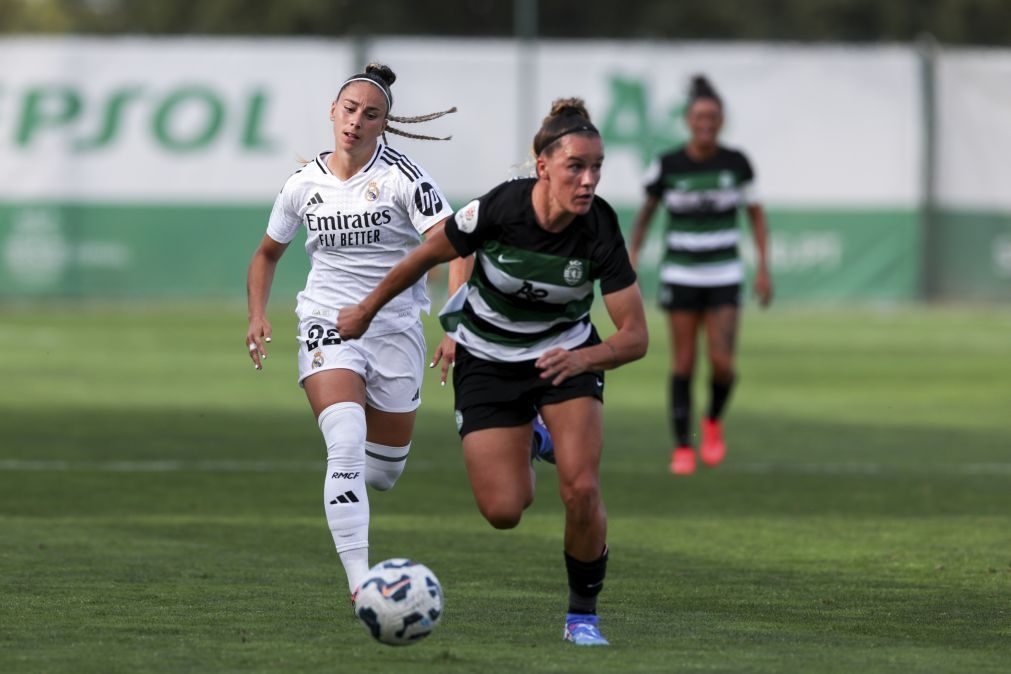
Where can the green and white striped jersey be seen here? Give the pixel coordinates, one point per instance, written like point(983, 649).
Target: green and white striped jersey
point(702, 200)
point(531, 289)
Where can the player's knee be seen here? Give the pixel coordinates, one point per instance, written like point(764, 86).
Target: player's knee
point(384, 464)
point(379, 480)
point(343, 428)
point(723, 367)
point(503, 519)
point(502, 514)
point(581, 495)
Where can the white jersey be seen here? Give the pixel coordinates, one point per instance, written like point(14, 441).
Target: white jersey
point(357, 229)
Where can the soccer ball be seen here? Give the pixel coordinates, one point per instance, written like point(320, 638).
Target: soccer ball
point(399, 602)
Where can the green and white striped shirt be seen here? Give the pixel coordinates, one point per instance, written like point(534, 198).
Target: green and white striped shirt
point(531, 289)
point(703, 200)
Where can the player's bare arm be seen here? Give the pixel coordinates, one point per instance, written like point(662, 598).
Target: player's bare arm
point(353, 321)
point(628, 343)
point(258, 281)
point(459, 271)
point(760, 230)
point(640, 227)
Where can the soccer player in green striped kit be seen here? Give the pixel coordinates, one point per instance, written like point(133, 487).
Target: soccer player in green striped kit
point(525, 343)
point(703, 186)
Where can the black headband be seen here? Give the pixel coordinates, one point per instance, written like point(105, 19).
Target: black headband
point(576, 129)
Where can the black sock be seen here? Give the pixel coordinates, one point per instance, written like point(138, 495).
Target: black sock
point(586, 580)
point(720, 393)
point(681, 409)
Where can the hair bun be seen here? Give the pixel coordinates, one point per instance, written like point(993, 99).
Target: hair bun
point(569, 107)
point(381, 71)
point(701, 87)
point(568, 115)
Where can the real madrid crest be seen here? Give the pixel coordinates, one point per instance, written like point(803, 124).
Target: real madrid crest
point(573, 273)
point(317, 359)
point(372, 191)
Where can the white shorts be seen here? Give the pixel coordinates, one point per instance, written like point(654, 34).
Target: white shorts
point(392, 365)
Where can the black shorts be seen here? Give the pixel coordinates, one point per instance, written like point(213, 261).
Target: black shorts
point(494, 394)
point(677, 297)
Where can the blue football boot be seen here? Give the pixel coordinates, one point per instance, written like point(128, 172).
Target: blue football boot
point(581, 629)
point(542, 448)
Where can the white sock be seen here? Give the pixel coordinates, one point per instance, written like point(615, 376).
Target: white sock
point(345, 501)
point(356, 566)
point(384, 464)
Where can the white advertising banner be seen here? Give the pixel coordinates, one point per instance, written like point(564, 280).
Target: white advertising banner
point(118, 154)
point(823, 126)
point(479, 78)
point(974, 122)
point(139, 119)
point(224, 120)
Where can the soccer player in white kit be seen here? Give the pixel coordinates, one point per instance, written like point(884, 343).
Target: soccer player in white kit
point(364, 207)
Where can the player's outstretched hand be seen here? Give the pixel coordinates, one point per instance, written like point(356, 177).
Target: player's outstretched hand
point(352, 321)
point(258, 334)
point(446, 353)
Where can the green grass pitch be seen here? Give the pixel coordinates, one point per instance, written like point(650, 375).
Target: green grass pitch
point(160, 508)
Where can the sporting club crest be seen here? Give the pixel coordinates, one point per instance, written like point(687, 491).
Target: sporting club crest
point(574, 272)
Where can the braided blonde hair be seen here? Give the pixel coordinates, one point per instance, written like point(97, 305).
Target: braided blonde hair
point(414, 120)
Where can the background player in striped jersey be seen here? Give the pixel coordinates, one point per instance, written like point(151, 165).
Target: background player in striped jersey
point(364, 206)
point(525, 342)
point(703, 185)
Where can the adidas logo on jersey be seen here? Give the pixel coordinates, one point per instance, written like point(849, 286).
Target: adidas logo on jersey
point(316, 199)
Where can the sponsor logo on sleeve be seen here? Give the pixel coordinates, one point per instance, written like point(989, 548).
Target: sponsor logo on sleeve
point(427, 199)
point(466, 217)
